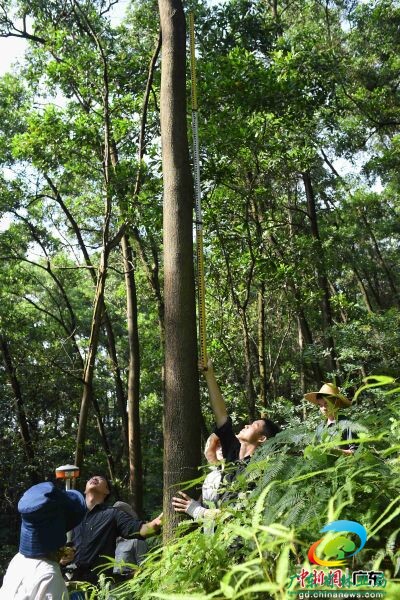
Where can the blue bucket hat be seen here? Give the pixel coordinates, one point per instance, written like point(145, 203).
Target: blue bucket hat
point(47, 514)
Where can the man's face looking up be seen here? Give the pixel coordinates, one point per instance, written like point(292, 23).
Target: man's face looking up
point(254, 433)
point(99, 484)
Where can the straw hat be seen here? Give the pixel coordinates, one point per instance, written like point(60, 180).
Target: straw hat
point(332, 391)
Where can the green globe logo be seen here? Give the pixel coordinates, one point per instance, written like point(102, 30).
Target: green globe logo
point(341, 547)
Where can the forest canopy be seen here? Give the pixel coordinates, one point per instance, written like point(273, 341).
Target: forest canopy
point(299, 132)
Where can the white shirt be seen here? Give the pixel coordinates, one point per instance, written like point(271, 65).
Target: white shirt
point(211, 484)
point(209, 492)
point(33, 579)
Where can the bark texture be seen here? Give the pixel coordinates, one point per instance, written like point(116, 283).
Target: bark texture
point(182, 404)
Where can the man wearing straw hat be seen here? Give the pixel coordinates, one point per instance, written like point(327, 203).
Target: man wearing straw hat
point(329, 399)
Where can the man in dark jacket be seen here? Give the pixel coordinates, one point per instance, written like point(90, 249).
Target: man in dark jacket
point(96, 536)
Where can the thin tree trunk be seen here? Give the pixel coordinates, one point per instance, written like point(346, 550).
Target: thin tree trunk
point(182, 401)
point(271, 380)
point(133, 396)
point(111, 346)
point(304, 332)
point(119, 387)
point(261, 344)
point(70, 330)
point(249, 384)
point(150, 265)
point(379, 256)
point(362, 288)
point(98, 308)
point(374, 291)
point(151, 268)
point(374, 279)
point(88, 372)
point(276, 18)
point(20, 409)
point(301, 374)
point(104, 439)
point(298, 307)
point(258, 219)
point(134, 436)
point(321, 272)
point(135, 448)
point(334, 291)
point(241, 308)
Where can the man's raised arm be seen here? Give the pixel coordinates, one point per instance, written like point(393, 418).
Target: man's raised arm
point(217, 402)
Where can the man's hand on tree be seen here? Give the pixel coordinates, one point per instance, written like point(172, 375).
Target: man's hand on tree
point(185, 504)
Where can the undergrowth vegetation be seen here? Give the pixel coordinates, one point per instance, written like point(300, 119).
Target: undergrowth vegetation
point(292, 488)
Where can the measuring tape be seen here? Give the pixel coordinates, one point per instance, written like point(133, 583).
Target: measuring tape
point(199, 222)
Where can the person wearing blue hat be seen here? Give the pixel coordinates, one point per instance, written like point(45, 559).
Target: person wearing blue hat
point(47, 513)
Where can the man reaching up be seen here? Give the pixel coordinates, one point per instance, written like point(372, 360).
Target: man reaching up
point(239, 448)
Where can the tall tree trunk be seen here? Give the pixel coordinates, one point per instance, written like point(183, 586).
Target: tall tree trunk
point(298, 306)
point(182, 399)
point(88, 371)
point(20, 409)
point(135, 448)
point(151, 267)
point(362, 288)
point(302, 374)
point(133, 396)
point(111, 346)
point(261, 344)
point(248, 363)
point(98, 308)
point(321, 271)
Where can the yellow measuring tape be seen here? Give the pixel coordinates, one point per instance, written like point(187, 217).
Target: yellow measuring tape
point(199, 222)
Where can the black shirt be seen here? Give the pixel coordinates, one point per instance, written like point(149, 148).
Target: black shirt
point(230, 451)
point(332, 428)
point(96, 536)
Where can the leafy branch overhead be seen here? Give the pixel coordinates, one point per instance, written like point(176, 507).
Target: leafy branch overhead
point(299, 114)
